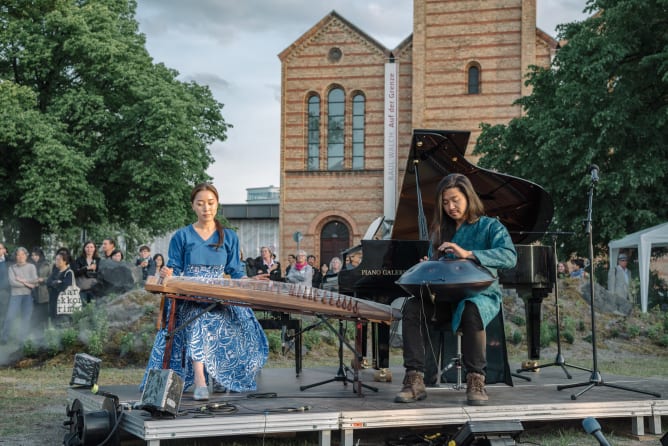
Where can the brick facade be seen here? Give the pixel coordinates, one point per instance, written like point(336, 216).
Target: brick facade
point(448, 36)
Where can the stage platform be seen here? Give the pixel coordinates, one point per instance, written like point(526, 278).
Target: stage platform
point(279, 406)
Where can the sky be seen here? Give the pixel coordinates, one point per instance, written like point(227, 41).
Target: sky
point(232, 46)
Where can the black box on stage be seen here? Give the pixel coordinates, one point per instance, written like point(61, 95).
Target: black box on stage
point(478, 433)
point(162, 391)
point(86, 370)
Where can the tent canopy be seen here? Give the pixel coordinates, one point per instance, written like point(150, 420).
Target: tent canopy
point(644, 241)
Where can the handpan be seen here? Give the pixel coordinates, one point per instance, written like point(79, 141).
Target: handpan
point(447, 280)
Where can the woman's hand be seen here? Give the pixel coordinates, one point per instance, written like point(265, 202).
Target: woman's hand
point(261, 276)
point(456, 250)
point(166, 271)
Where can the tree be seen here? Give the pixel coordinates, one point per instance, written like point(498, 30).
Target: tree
point(603, 101)
point(94, 133)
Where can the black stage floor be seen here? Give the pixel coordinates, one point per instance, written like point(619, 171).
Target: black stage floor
point(279, 406)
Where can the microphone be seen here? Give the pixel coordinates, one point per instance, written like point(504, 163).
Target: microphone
point(592, 427)
point(593, 170)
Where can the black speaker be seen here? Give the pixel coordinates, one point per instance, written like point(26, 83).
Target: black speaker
point(162, 392)
point(664, 440)
point(488, 433)
point(86, 370)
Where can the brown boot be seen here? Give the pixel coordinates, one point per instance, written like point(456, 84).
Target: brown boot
point(475, 390)
point(413, 389)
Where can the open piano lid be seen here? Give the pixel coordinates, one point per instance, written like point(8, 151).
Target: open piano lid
point(522, 206)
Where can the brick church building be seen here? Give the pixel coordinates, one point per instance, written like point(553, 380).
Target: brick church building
point(349, 105)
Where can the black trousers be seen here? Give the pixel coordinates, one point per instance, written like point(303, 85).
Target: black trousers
point(420, 314)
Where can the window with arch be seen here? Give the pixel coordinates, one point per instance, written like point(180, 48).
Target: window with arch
point(474, 79)
point(336, 103)
point(359, 104)
point(313, 158)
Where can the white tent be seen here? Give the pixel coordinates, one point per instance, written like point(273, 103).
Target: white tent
point(644, 241)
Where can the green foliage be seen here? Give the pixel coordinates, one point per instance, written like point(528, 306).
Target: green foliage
point(311, 339)
point(69, 337)
point(274, 340)
point(92, 128)
point(127, 343)
point(602, 101)
point(517, 337)
point(518, 320)
point(29, 348)
point(548, 334)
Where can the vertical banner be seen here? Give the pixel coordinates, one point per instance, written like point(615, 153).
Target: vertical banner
point(391, 122)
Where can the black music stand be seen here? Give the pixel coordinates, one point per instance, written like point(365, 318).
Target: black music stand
point(559, 360)
point(595, 379)
point(342, 372)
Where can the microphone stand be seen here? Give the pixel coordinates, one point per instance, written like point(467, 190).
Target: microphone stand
point(595, 379)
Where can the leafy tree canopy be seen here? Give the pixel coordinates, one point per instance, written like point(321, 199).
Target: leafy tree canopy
point(94, 134)
point(603, 101)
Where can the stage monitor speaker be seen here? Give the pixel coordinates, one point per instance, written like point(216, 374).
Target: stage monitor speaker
point(664, 440)
point(162, 391)
point(86, 370)
point(488, 433)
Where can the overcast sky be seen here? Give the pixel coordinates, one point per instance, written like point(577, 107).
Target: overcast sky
point(233, 45)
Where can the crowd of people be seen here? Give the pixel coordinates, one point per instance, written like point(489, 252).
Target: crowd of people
point(30, 284)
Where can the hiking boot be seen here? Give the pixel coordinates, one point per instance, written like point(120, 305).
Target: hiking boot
point(413, 389)
point(476, 395)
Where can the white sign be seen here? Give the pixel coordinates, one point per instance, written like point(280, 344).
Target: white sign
point(391, 122)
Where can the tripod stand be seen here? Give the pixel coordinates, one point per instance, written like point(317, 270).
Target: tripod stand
point(342, 372)
point(595, 379)
point(559, 359)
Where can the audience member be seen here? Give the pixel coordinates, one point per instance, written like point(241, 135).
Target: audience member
point(317, 276)
point(226, 343)
point(291, 261)
point(562, 270)
point(159, 261)
point(116, 255)
point(85, 271)
point(22, 279)
point(330, 281)
point(108, 247)
point(619, 277)
point(4, 281)
point(266, 267)
point(301, 272)
point(61, 277)
point(40, 293)
point(145, 262)
point(578, 271)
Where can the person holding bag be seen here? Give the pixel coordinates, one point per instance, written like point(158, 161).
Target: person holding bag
point(61, 277)
point(85, 270)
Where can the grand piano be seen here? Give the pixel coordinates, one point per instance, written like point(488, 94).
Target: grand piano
point(522, 206)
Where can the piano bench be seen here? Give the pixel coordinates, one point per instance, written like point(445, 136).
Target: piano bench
point(287, 323)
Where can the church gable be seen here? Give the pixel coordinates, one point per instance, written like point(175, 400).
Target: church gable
point(334, 31)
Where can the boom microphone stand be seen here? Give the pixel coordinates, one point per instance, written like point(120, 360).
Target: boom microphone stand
point(595, 379)
point(559, 360)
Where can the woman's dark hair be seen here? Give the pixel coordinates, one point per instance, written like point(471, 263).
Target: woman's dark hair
point(211, 188)
point(40, 252)
point(443, 227)
point(155, 258)
point(95, 253)
point(117, 251)
point(64, 253)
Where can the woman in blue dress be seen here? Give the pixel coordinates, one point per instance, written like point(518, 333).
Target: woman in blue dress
point(227, 343)
point(459, 230)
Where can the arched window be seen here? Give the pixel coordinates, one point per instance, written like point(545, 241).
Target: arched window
point(334, 238)
point(474, 79)
point(313, 162)
point(335, 129)
point(359, 104)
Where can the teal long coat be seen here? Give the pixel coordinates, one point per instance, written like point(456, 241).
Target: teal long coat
point(490, 242)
